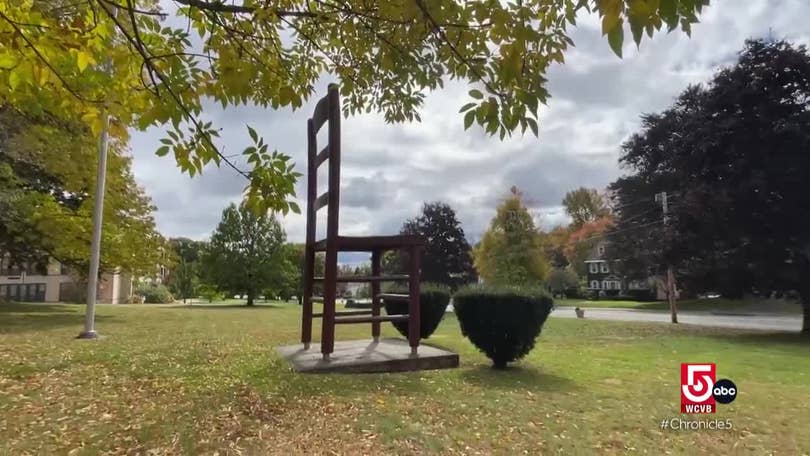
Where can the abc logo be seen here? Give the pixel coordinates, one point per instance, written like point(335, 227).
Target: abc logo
point(724, 391)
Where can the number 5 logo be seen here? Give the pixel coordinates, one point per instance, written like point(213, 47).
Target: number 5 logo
point(697, 381)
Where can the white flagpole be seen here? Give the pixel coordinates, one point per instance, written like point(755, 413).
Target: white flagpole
point(98, 214)
point(95, 245)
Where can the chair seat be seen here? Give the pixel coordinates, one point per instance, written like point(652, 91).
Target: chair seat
point(369, 243)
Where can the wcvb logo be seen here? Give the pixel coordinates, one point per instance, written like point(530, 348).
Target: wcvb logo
point(700, 391)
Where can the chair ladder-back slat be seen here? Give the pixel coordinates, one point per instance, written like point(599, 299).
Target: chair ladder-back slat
point(323, 155)
point(321, 114)
point(322, 201)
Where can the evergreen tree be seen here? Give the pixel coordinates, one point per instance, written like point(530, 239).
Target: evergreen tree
point(511, 251)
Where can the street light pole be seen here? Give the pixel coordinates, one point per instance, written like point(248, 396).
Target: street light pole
point(95, 245)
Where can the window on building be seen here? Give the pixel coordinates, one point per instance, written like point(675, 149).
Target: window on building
point(594, 268)
point(595, 284)
point(37, 268)
point(636, 285)
point(604, 267)
point(13, 292)
point(10, 268)
point(601, 249)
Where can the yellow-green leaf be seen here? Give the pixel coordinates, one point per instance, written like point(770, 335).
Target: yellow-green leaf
point(83, 59)
point(14, 79)
point(7, 61)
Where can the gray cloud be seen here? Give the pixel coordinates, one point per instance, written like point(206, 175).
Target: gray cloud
point(366, 193)
point(390, 170)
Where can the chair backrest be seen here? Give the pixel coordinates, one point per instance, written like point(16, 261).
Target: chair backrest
point(327, 111)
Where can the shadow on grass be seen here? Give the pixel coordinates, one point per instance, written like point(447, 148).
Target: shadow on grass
point(223, 306)
point(515, 376)
point(762, 339)
point(13, 323)
point(656, 305)
point(278, 377)
point(30, 307)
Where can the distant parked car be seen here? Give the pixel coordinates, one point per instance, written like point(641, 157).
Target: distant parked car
point(709, 295)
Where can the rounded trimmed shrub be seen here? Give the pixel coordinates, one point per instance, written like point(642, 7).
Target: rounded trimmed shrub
point(155, 294)
point(503, 322)
point(433, 301)
point(358, 304)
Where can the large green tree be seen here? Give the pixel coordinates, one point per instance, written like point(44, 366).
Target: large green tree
point(293, 277)
point(584, 205)
point(447, 257)
point(286, 279)
point(47, 194)
point(511, 250)
point(146, 67)
point(244, 252)
point(734, 157)
point(184, 274)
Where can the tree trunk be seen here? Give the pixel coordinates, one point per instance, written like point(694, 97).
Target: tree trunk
point(804, 293)
point(804, 297)
point(250, 298)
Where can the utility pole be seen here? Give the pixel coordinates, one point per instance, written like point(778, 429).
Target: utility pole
point(662, 198)
point(98, 213)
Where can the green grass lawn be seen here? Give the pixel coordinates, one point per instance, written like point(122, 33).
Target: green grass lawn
point(179, 379)
point(775, 306)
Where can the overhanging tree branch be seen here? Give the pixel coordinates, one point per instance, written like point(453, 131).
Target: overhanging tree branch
point(45, 61)
point(144, 52)
point(437, 29)
point(220, 7)
point(132, 9)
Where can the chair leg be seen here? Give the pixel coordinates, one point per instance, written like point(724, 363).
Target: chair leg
point(414, 318)
point(306, 318)
point(329, 298)
point(376, 269)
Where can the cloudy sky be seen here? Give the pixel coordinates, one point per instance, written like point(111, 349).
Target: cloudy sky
point(390, 170)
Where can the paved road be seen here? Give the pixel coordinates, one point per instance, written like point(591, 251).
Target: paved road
point(741, 321)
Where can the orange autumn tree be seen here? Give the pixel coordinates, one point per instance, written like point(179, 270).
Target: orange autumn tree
point(583, 239)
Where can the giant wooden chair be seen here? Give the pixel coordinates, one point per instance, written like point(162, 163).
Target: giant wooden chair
point(327, 111)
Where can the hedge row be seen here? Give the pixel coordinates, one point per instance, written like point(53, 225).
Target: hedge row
point(502, 322)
